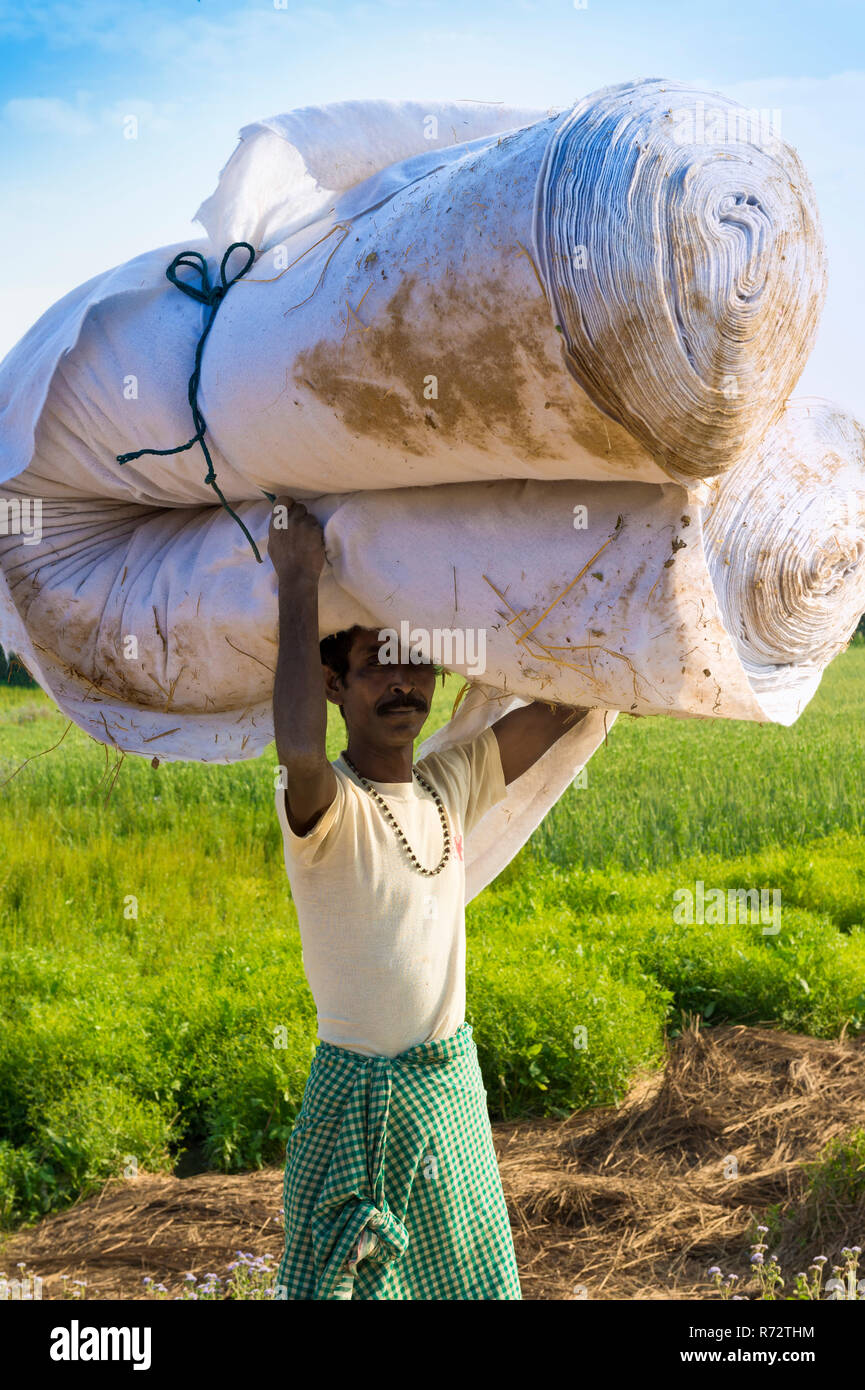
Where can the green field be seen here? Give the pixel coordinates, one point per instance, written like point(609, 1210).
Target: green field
point(152, 994)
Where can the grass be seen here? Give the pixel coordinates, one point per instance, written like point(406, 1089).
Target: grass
point(153, 996)
point(728, 787)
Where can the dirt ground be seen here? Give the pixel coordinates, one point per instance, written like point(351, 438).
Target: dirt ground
point(628, 1203)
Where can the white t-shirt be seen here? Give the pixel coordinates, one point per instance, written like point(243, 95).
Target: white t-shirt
point(384, 946)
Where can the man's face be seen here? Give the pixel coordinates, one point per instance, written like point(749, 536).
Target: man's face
point(387, 704)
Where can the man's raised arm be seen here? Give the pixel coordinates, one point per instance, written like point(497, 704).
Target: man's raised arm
point(525, 734)
point(296, 548)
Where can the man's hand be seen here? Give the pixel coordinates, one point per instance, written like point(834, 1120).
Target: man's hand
point(525, 734)
point(295, 542)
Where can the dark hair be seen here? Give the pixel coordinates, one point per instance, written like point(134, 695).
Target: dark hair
point(335, 651)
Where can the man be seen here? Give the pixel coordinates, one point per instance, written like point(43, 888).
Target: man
point(392, 1189)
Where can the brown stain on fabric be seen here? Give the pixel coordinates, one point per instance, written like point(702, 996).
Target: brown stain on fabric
point(488, 350)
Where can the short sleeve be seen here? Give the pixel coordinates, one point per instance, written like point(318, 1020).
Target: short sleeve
point(308, 849)
point(474, 771)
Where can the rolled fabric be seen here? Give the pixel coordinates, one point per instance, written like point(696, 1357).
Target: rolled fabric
point(625, 596)
point(287, 171)
point(669, 253)
point(785, 543)
point(427, 324)
point(406, 340)
point(674, 235)
point(419, 370)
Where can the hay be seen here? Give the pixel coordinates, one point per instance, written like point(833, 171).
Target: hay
point(157, 1224)
point(630, 1202)
point(645, 1183)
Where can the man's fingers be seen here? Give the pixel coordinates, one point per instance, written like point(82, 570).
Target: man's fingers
point(296, 510)
point(295, 537)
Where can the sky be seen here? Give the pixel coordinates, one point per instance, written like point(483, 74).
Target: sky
point(79, 197)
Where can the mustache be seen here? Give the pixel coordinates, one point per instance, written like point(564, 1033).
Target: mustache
point(403, 702)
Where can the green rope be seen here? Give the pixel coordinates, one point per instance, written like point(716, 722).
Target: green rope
point(212, 296)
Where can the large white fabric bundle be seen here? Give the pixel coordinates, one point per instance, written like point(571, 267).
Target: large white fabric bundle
point(392, 358)
point(406, 337)
point(657, 604)
point(685, 276)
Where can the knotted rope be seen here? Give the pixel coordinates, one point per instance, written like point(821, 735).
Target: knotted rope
point(212, 296)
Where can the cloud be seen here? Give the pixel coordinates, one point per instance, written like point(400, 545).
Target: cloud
point(130, 117)
point(95, 23)
point(48, 116)
point(448, 38)
point(191, 42)
point(150, 117)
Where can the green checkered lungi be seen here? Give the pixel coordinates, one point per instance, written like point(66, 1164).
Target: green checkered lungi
point(399, 1149)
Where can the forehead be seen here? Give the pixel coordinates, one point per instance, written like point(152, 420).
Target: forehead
point(366, 643)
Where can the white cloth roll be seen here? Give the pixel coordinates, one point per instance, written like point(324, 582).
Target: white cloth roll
point(430, 323)
point(676, 234)
point(656, 605)
point(420, 353)
point(629, 596)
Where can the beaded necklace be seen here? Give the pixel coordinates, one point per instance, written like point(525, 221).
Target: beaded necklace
point(380, 801)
